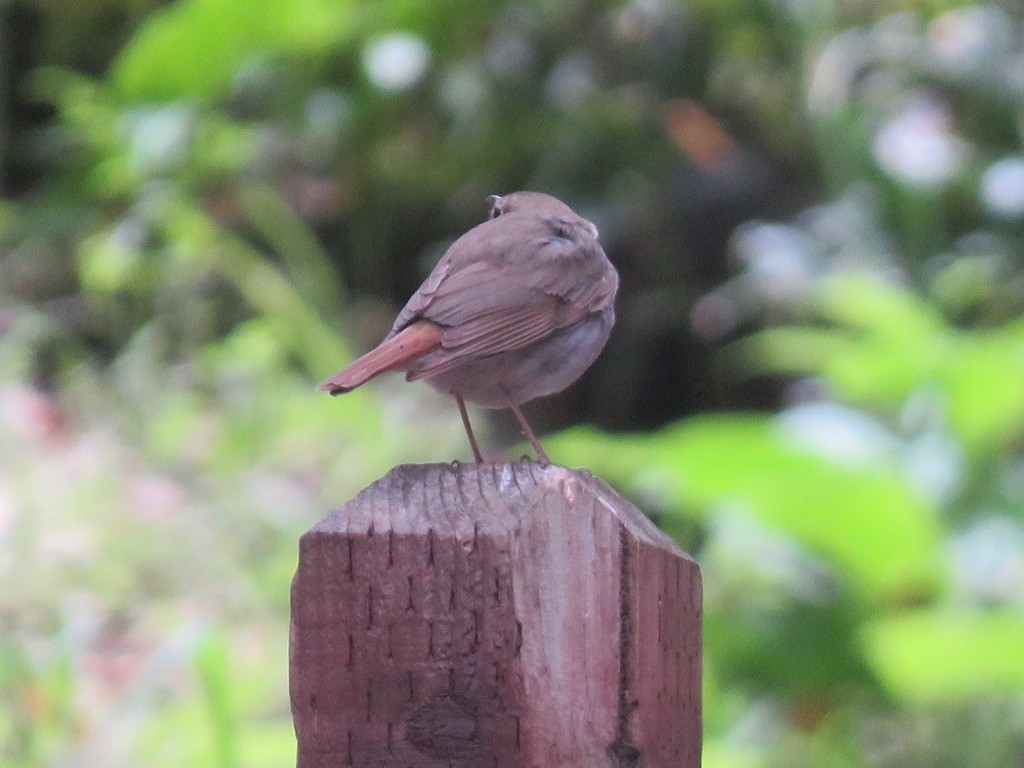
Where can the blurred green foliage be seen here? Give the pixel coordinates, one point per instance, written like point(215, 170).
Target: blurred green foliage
point(198, 195)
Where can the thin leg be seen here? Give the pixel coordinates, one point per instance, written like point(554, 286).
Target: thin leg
point(541, 456)
point(469, 428)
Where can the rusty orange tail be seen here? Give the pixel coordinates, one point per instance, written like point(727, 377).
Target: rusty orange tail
point(413, 342)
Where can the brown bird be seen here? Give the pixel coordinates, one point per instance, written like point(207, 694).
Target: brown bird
point(517, 308)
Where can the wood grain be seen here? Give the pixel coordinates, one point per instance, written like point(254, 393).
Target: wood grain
point(465, 616)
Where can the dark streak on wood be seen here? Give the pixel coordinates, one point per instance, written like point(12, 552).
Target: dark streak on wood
point(622, 751)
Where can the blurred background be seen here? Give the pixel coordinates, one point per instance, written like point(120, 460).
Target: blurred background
point(816, 383)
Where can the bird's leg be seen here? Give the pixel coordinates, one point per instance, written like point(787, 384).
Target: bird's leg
point(469, 428)
point(541, 456)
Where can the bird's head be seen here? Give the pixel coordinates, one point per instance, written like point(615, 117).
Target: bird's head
point(536, 203)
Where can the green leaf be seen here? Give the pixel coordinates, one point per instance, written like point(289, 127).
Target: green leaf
point(944, 655)
point(795, 349)
point(213, 665)
point(882, 309)
point(195, 47)
point(861, 368)
point(725, 754)
point(105, 265)
point(984, 382)
point(887, 342)
point(307, 264)
point(863, 519)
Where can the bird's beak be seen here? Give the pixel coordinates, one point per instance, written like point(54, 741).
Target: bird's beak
point(495, 199)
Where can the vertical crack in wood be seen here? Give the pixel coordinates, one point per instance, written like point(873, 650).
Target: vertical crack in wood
point(458, 486)
point(623, 751)
point(513, 475)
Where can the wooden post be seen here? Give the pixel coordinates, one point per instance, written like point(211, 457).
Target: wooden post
point(494, 616)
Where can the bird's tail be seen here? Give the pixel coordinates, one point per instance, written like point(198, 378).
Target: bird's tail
point(396, 353)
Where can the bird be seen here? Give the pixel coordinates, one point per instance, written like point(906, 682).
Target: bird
point(517, 308)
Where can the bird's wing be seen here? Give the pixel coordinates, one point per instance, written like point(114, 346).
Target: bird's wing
point(549, 254)
point(533, 280)
point(565, 260)
point(507, 284)
point(419, 301)
point(496, 333)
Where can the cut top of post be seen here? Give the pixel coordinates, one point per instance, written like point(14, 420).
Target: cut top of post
point(464, 501)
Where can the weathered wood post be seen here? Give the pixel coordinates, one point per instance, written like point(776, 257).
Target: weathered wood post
point(494, 616)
